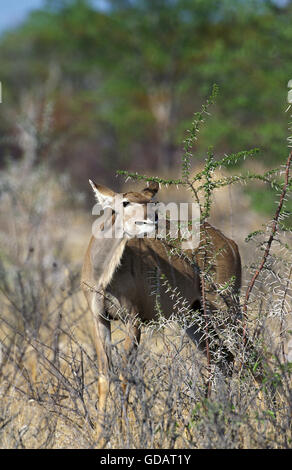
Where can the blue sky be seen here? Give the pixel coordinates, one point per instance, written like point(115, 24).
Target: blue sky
point(12, 12)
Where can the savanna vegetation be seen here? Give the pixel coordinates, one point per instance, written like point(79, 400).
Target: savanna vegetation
point(110, 94)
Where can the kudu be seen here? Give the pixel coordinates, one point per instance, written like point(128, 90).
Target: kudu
point(115, 273)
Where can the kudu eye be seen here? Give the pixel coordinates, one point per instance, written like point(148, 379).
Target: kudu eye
point(125, 203)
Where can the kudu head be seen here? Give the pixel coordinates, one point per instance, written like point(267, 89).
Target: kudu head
point(133, 212)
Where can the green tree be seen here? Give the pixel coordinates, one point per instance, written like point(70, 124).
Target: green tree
point(125, 80)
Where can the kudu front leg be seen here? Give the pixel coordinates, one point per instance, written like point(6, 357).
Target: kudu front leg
point(102, 339)
point(129, 355)
point(132, 341)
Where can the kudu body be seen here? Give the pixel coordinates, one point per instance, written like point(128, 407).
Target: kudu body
point(117, 275)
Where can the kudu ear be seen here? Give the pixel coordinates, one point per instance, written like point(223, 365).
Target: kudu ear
point(151, 190)
point(103, 194)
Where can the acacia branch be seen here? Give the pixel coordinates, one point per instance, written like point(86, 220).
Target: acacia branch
point(274, 229)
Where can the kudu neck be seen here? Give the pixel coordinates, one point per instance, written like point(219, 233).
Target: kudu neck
point(106, 255)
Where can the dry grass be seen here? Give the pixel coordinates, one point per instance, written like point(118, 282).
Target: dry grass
point(48, 366)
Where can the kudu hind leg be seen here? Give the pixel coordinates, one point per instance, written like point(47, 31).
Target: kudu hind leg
point(204, 336)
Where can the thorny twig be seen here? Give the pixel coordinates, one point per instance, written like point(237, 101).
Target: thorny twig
point(269, 244)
